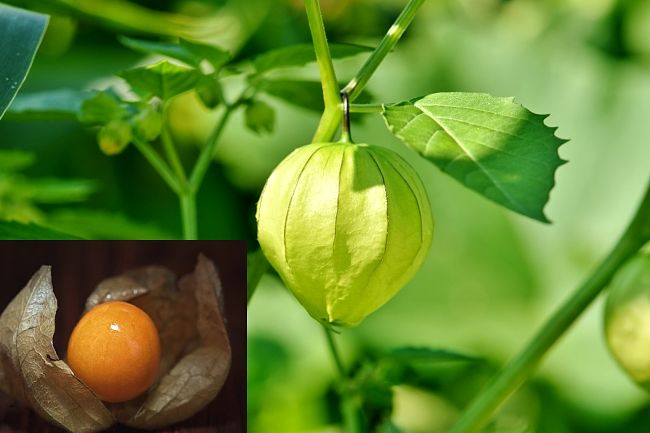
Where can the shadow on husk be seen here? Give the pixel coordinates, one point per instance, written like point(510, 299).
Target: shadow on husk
point(195, 351)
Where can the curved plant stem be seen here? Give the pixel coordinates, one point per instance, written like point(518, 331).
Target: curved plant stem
point(353, 421)
point(170, 150)
point(331, 117)
point(521, 367)
point(158, 164)
point(203, 163)
point(356, 85)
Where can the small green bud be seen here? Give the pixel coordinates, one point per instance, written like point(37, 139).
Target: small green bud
point(346, 226)
point(114, 137)
point(209, 91)
point(148, 124)
point(627, 318)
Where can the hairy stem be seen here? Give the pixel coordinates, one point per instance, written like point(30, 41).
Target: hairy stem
point(522, 366)
point(395, 32)
point(353, 421)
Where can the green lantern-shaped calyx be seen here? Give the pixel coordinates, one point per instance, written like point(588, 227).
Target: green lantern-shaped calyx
point(346, 226)
point(627, 318)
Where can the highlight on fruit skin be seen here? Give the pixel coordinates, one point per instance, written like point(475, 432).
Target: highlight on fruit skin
point(627, 318)
point(115, 351)
point(346, 226)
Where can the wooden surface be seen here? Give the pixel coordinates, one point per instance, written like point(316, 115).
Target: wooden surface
point(77, 267)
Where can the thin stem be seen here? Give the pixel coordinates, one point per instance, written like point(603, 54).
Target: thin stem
point(366, 108)
point(323, 57)
point(170, 150)
point(395, 32)
point(158, 164)
point(207, 153)
point(521, 367)
point(346, 136)
point(188, 215)
point(353, 421)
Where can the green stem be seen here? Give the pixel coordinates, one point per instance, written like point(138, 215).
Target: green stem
point(170, 150)
point(521, 367)
point(188, 215)
point(207, 153)
point(356, 85)
point(158, 164)
point(353, 421)
point(366, 108)
point(323, 57)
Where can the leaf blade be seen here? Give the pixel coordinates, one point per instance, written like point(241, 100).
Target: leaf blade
point(492, 145)
point(301, 54)
point(21, 33)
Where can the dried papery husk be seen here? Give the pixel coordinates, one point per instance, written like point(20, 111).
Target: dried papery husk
point(31, 370)
point(195, 350)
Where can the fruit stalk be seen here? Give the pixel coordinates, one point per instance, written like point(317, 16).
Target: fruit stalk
point(522, 366)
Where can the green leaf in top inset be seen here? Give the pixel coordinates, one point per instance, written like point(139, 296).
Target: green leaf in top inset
point(163, 79)
point(101, 108)
point(301, 93)
point(301, 54)
point(191, 53)
point(490, 144)
point(21, 33)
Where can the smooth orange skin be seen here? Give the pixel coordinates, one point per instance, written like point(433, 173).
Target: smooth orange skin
point(115, 351)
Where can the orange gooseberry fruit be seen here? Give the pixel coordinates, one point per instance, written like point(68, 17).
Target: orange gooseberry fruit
point(115, 351)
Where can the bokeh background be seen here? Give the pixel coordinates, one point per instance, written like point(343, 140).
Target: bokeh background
point(491, 278)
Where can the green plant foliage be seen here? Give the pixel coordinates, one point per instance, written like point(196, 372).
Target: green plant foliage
point(301, 93)
point(191, 53)
point(210, 91)
point(492, 145)
point(64, 104)
point(101, 108)
point(301, 54)
point(16, 230)
point(162, 79)
point(20, 35)
point(259, 117)
point(426, 354)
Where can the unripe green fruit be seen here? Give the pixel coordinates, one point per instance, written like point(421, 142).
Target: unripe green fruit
point(346, 226)
point(627, 319)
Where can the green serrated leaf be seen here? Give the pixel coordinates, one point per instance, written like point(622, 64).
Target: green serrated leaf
point(301, 54)
point(21, 33)
point(490, 144)
point(428, 354)
point(259, 117)
point(101, 108)
point(99, 224)
point(302, 93)
point(12, 160)
point(62, 104)
point(191, 53)
point(162, 79)
point(17, 231)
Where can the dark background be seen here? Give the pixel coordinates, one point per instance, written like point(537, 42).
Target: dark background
point(78, 266)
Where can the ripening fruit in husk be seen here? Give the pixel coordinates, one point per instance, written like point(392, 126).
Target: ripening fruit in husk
point(627, 319)
point(346, 226)
point(115, 351)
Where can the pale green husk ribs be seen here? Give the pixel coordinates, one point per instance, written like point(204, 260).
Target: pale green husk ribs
point(346, 226)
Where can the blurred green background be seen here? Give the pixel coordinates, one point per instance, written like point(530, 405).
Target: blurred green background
point(491, 278)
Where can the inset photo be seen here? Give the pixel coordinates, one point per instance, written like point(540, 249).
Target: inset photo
point(116, 335)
